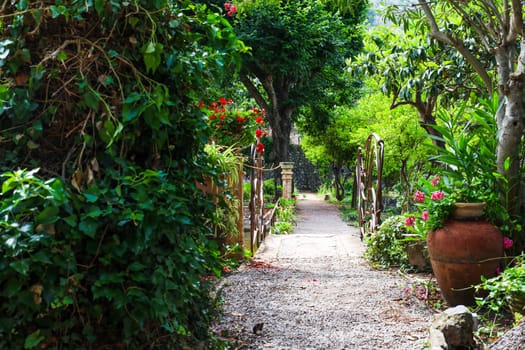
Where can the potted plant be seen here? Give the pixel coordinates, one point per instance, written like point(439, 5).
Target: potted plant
point(462, 249)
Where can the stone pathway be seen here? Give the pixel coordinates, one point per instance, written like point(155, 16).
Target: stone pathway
point(313, 290)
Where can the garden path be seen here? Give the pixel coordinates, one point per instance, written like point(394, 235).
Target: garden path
point(313, 290)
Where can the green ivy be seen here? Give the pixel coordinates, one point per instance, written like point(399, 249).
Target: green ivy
point(105, 243)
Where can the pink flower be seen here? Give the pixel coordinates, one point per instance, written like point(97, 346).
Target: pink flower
point(437, 195)
point(424, 215)
point(435, 181)
point(230, 8)
point(507, 243)
point(419, 196)
point(410, 221)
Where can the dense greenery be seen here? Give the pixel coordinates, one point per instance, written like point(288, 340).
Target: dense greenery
point(109, 244)
point(298, 50)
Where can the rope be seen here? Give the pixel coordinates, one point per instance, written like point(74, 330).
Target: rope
point(263, 169)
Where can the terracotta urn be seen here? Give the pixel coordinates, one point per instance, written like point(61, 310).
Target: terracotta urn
point(462, 251)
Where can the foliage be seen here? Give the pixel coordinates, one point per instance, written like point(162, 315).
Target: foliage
point(109, 247)
point(296, 62)
point(386, 247)
point(468, 157)
point(270, 190)
point(233, 126)
point(226, 162)
point(434, 203)
point(506, 288)
point(470, 30)
point(96, 232)
point(469, 161)
point(398, 128)
point(284, 216)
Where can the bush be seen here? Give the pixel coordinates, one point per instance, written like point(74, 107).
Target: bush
point(386, 247)
point(109, 266)
point(110, 246)
point(284, 216)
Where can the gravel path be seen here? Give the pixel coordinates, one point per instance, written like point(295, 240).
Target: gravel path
point(313, 290)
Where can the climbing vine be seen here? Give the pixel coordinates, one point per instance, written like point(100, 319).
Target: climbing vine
point(104, 241)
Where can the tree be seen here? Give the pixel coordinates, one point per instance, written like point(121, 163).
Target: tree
point(498, 29)
point(337, 146)
point(296, 60)
point(415, 71)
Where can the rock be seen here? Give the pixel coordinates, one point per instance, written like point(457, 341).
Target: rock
point(513, 339)
point(453, 329)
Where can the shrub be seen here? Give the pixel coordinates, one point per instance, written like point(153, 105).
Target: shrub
point(386, 247)
point(110, 246)
point(104, 268)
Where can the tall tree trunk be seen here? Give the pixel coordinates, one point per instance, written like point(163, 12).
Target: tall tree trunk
point(281, 126)
point(510, 124)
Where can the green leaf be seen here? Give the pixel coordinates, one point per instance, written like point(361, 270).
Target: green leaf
point(149, 47)
point(107, 131)
point(151, 117)
point(100, 6)
point(90, 197)
point(33, 339)
point(88, 227)
point(42, 256)
point(152, 56)
point(20, 266)
point(71, 220)
point(13, 286)
point(62, 56)
point(91, 99)
point(48, 215)
point(129, 112)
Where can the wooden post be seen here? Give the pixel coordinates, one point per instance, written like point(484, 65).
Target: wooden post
point(287, 176)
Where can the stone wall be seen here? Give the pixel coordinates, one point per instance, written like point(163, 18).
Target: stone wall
point(305, 174)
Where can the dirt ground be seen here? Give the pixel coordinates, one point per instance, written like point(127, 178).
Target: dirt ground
point(313, 290)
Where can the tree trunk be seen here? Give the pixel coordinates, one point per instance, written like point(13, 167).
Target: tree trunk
point(280, 129)
point(510, 124)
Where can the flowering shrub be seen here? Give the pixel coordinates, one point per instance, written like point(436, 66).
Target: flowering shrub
point(434, 205)
point(235, 127)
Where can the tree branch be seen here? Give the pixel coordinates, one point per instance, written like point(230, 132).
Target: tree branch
point(437, 34)
point(254, 92)
point(516, 21)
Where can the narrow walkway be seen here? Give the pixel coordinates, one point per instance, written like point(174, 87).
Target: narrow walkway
point(313, 290)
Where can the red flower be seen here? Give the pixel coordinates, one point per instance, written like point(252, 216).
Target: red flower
point(260, 147)
point(240, 119)
point(223, 101)
point(258, 133)
point(222, 116)
point(259, 120)
point(212, 117)
point(230, 8)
